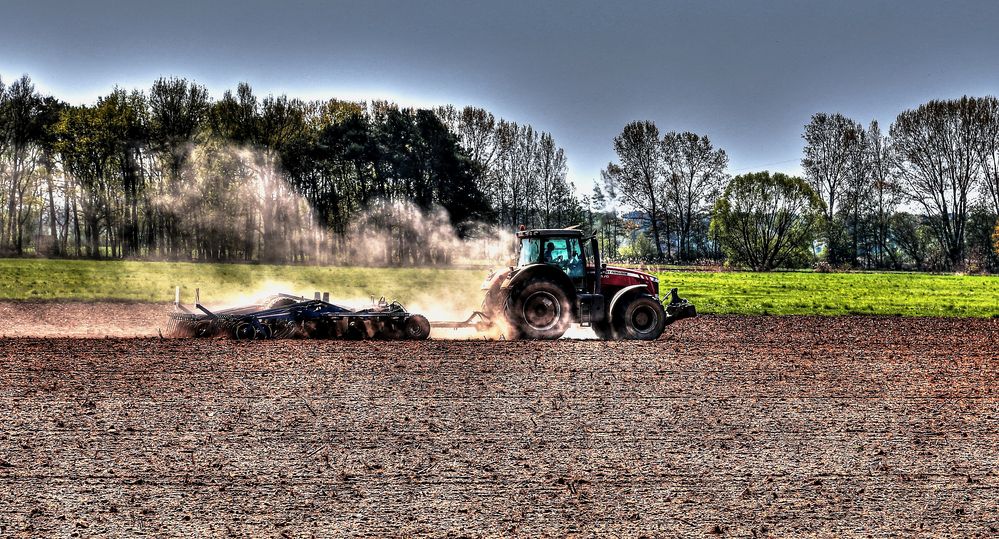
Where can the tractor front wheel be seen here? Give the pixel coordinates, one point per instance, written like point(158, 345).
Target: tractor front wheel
point(643, 318)
point(539, 310)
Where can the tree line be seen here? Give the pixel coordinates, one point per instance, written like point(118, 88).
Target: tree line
point(925, 195)
point(173, 173)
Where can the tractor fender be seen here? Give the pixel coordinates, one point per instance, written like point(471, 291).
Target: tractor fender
point(541, 270)
point(626, 291)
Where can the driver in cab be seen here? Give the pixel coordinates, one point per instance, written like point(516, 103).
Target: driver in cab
point(550, 253)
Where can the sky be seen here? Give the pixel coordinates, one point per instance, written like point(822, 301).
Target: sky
point(748, 74)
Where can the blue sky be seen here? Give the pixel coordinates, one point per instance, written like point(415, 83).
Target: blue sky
point(747, 74)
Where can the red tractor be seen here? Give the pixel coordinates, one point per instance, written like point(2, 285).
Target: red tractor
point(559, 280)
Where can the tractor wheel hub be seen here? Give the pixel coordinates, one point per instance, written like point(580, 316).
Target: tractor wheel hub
point(542, 310)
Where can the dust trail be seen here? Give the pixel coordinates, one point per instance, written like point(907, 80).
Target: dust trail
point(266, 218)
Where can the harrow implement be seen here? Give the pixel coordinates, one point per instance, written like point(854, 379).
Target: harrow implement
point(282, 316)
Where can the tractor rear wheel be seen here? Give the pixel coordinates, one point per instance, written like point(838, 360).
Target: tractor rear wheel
point(643, 318)
point(539, 310)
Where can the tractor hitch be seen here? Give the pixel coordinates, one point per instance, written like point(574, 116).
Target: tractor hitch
point(678, 308)
point(478, 320)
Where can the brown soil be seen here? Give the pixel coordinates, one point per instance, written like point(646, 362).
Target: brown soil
point(742, 426)
point(82, 319)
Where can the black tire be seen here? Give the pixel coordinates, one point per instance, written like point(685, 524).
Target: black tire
point(492, 303)
point(539, 310)
point(643, 318)
point(417, 327)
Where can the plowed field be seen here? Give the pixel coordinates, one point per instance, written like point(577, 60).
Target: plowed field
point(741, 426)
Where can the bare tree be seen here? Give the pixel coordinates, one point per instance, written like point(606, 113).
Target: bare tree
point(990, 151)
point(695, 175)
point(856, 199)
point(638, 177)
point(885, 194)
point(476, 131)
point(939, 147)
point(832, 142)
point(555, 190)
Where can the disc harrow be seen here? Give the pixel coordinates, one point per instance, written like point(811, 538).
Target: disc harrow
point(285, 316)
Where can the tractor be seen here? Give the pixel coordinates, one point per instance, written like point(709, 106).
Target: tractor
point(559, 280)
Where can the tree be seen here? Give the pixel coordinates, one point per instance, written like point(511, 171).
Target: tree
point(886, 193)
point(695, 175)
point(638, 177)
point(177, 112)
point(913, 237)
point(833, 153)
point(938, 154)
point(981, 226)
point(995, 239)
point(555, 190)
point(23, 126)
point(766, 221)
point(989, 151)
point(608, 226)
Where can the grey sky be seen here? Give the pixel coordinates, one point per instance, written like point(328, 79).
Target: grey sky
point(747, 74)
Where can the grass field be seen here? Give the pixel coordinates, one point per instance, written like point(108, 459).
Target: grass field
point(910, 294)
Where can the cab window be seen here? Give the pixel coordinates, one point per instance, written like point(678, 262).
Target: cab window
point(530, 251)
point(562, 252)
point(573, 265)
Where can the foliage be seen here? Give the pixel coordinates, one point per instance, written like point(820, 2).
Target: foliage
point(982, 255)
point(995, 240)
point(914, 239)
point(640, 248)
point(766, 221)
